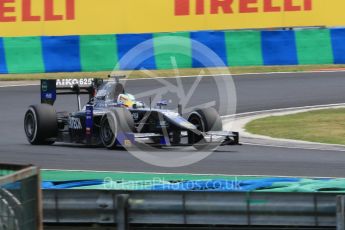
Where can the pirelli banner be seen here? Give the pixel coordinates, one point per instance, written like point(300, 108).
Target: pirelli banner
point(81, 17)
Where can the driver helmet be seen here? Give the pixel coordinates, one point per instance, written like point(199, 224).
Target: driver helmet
point(126, 99)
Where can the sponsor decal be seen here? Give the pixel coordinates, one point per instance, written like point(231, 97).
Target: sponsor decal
point(71, 82)
point(127, 143)
point(170, 114)
point(48, 91)
point(184, 7)
point(44, 86)
point(163, 124)
point(25, 10)
point(135, 116)
point(74, 123)
point(89, 119)
point(125, 139)
point(72, 17)
point(48, 96)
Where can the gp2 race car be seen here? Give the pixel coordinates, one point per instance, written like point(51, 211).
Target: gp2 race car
point(113, 118)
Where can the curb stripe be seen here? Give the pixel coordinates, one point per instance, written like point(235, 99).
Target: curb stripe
point(244, 48)
point(338, 37)
point(98, 52)
point(3, 66)
point(141, 56)
point(61, 54)
point(279, 47)
point(215, 41)
point(172, 45)
point(314, 47)
point(23, 54)
point(234, 48)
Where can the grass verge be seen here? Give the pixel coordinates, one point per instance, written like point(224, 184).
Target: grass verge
point(170, 73)
point(324, 126)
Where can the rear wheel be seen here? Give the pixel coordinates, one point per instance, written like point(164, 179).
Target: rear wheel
point(204, 120)
point(115, 121)
point(40, 124)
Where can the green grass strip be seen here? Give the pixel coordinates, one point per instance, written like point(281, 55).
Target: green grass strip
point(173, 50)
point(24, 54)
point(314, 47)
point(98, 52)
point(324, 126)
point(244, 48)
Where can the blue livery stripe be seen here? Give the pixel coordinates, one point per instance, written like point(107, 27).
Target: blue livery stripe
point(208, 49)
point(279, 48)
point(61, 54)
point(135, 51)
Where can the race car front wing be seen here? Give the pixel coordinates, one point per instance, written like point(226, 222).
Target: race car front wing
point(215, 137)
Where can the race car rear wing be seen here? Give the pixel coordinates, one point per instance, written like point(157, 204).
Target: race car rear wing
point(51, 88)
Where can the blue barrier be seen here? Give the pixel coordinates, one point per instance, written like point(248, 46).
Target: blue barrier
point(130, 42)
point(279, 48)
point(215, 41)
point(97, 53)
point(3, 68)
point(338, 44)
point(61, 54)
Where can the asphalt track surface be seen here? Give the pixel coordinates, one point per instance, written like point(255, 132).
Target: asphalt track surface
point(254, 92)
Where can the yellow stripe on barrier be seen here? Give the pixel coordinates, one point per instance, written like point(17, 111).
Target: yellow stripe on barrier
point(79, 17)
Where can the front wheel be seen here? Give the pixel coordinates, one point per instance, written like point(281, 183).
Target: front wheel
point(40, 124)
point(114, 122)
point(204, 120)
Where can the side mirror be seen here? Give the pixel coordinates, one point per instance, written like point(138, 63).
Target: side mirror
point(162, 103)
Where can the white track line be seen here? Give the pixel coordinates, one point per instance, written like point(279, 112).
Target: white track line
point(238, 75)
point(291, 147)
point(8, 86)
point(293, 72)
point(244, 74)
point(281, 110)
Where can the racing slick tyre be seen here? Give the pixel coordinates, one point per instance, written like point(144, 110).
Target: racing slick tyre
point(115, 121)
point(40, 124)
point(205, 120)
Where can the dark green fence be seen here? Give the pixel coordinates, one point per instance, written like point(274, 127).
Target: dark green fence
point(20, 198)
